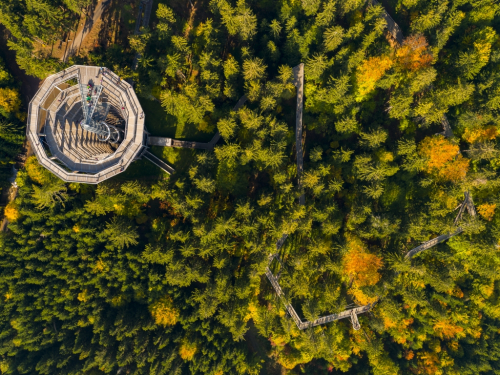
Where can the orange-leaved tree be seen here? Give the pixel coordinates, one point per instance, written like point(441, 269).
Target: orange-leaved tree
point(443, 158)
point(362, 268)
point(480, 134)
point(413, 54)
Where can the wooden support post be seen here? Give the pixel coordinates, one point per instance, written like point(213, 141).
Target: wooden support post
point(354, 320)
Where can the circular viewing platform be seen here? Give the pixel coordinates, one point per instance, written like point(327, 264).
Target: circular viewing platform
point(85, 124)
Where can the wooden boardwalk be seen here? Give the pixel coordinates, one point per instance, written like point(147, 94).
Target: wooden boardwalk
point(396, 32)
point(447, 132)
point(298, 74)
point(467, 204)
point(352, 314)
point(431, 243)
point(392, 26)
point(158, 162)
point(170, 142)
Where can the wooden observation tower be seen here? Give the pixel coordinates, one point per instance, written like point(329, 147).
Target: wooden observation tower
point(86, 125)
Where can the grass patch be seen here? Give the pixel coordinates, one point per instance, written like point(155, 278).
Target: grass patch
point(181, 159)
point(140, 169)
point(128, 16)
point(160, 124)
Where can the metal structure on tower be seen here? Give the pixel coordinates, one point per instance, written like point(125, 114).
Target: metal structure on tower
point(95, 113)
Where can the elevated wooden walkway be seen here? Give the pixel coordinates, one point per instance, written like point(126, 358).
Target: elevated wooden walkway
point(145, 7)
point(467, 204)
point(352, 314)
point(392, 26)
point(298, 74)
point(158, 162)
point(170, 142)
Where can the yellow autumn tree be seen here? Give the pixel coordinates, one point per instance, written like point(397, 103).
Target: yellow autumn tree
point(443, 159)
point(11, 212)
point(36, 172)
point(487, 210)
point(361, 265)
point(187, 350)
point(9, 100)
point(480, 135)
point(163, 312)
point(370, 72)
point(362, 268)
point(485, 37)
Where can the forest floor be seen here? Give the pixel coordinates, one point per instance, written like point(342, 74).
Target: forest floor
point(106, 23)
point(258, 345)
point(28, 84)
point(87, 32)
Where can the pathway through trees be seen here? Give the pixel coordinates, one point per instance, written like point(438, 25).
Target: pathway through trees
point(397, 34)
point(352, 314)
point(170, 142)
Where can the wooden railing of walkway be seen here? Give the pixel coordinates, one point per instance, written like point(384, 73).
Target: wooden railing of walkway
point(396, 32)
point(352, 314)
point(298, 74)
point(158, 162)
point(467, 204)
point(392, 26)
point(124, 155)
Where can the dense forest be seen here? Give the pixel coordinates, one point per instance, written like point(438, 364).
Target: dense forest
point(165, 274)
point(11, 126)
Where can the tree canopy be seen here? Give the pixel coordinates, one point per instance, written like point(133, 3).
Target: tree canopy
point(167, 275)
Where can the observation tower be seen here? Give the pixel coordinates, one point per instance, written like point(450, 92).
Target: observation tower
point(86, 125)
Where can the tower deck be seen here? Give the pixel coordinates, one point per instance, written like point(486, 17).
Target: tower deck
point(60, 109)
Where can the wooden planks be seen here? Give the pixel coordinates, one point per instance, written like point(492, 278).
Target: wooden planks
point(351, 314)
point(75, 149)
point(298, 73)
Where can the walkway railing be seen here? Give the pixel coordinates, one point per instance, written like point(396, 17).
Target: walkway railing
point(351, 314)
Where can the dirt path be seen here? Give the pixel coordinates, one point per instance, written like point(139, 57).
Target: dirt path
point(84, 29)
